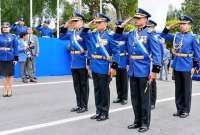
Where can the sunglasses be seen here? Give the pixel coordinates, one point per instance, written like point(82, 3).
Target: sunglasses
point(98, 22)
point(75, 20)
point(5, 27)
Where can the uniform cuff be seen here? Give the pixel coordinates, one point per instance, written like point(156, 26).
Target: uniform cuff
point(88, 62)
point(156, 69)
point(63, 30)
point(16, 58)
point(165, 30)
point(85, 29)
point(119, 30)
point(114, 65)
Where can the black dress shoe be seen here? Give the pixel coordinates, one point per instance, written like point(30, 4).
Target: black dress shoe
point(124, 102)
point(5, 95)
point(117, 100)
point(75, 109)
point(33, 80)
point(176, 114)
point(153, 107)
point(184, 115)
point(102, 117)
point(96, 116)
point(143, 128)
point(133, 126)
point(82, 110)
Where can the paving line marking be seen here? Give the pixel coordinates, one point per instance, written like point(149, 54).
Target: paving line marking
point(41, 83)
point(73, 119)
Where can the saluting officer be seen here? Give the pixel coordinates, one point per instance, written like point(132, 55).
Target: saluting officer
point(144, 62)
point(45, 30)
point(77, 48)
point(153, 87)
point(19, 27)
point(103, 54)
point(186, 49)
point(122, 76)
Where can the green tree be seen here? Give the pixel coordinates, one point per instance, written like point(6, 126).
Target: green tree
point(14, 9)
point(192, 8)
point(123, 8)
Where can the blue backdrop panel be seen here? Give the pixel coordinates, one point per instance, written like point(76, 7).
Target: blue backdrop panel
point(53, 59)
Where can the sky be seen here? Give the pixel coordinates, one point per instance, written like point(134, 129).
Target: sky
point(176, 3)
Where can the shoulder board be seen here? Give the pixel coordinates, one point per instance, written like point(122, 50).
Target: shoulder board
point(149, 31)
point(94, 30)
point(14, 35)
point(111, 33)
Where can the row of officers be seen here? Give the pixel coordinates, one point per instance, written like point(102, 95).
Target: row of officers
point(42, 29)
point(136, 55)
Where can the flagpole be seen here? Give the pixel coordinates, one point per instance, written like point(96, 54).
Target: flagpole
point(31, 13)
point(101, 6)
point(57, 21)
point(80, 6)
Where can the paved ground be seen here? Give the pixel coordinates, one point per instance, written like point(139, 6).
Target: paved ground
point(44, 109)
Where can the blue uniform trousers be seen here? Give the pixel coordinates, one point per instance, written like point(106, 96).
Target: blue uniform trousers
point(81, 86)
point(140, 100)
point(102, 93)
point(183, 90)
point(122, 84)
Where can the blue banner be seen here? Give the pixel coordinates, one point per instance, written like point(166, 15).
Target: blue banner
point(53, 59)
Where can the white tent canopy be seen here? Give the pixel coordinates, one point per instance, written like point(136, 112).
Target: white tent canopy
point(158, 9)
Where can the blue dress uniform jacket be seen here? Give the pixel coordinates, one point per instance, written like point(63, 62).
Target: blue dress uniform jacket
point(19, 29)
point(121, 40)
point(21, 49)
point(186, 47)
point(158, 37)
point(142, 57)
point(103, 47)
point(8, 47)
point(45, 31)
point(77, 48)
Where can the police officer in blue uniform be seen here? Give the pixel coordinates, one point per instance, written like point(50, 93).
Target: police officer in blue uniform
point(19, 27)
point(122, 86)
point(45, 30)
point(103, 54)
point(77, 48)
point(8, 57)
point(186, 49)
point(153, 87)
point(144, 62)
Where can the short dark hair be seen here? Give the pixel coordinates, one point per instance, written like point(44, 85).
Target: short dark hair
point(21, 35)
